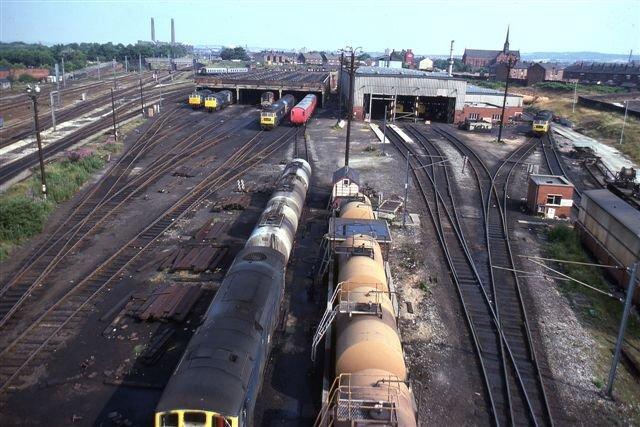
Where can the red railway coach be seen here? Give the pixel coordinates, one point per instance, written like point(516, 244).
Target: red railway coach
point(301, 112)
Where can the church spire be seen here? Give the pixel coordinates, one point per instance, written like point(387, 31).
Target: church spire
point(506, 42)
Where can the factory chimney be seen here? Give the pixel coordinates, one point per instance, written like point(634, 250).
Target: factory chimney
point(173, 33)
point(450, 68)
point(153, 31)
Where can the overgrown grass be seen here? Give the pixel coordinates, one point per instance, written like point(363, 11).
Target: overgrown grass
point(599, 313)
point(569, 87)
point(604, 126)
point(23, 212)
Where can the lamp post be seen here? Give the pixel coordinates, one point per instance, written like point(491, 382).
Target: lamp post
point(33, 93)
point(350, 108)
point(624, 121)
point(511, 60)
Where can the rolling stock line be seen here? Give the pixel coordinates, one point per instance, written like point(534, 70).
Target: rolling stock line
point(106, 197)
point(493, 310)
point(554, 162)
point(17, 131)
point(14, 168)
point(21, 351)
point(505, 283)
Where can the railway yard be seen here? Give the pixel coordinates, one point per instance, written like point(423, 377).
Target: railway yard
point(234, 265)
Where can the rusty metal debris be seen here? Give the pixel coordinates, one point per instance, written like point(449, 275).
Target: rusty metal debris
point(165, 303)
point(237, 202)
point(196, 258)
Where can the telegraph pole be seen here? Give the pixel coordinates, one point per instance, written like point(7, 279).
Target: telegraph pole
point(98, 59)
point(64, 77)
point(340, 86)
point(350, 110)
point(623, 327)
point(53, 110)
point(510, 63)
point(141, 98)
point(575, 97)
point(113, 113)
point(33, 93)
point(626, 110)
point(126, 64)
point(57, 83)
point(113, 67)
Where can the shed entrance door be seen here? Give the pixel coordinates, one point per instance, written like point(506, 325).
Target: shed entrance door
point(551, 213)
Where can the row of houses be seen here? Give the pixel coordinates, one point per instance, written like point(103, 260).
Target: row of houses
point(618, 74)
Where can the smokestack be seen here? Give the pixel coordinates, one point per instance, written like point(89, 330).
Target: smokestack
point(173, 33)
point(153, 31)
point(450, 68)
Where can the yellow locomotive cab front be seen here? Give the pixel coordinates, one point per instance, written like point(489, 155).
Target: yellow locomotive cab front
point(267, 120)
point(194, 100)
point(211, 103)
point(194, 419)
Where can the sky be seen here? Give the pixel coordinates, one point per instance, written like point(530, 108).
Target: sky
point(428, 26)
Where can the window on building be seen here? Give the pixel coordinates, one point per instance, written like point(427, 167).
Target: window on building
point(554, 199)
point(345, 182)
point(496, 116)
point(474, 116)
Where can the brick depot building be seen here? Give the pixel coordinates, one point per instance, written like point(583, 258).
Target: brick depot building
point(550, 196)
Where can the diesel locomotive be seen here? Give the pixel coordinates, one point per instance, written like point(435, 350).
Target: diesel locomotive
point(218, 379)
point(272, 116)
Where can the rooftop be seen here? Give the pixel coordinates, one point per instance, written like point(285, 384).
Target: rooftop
point(550, 180)
point(617, 208)
point(479, 90)
point(402, 72)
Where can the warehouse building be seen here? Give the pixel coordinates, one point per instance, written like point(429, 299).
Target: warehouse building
point(415, 94)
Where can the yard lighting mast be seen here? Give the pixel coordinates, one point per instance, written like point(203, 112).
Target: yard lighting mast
point(350, 110)
point(33, 93)
point(624, 121)
point(340, 85)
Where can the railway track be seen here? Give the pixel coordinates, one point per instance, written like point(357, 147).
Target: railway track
point(19, 130)
point(491, 301)
point(44, 332)
point(123, 113)
point(554, 163)
point(105, 199)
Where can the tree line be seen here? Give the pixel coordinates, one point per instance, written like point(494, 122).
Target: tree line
point(78, 55)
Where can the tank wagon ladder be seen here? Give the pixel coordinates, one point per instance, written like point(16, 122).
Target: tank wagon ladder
point(341, 407)
point(342, 302)
point(325, 249)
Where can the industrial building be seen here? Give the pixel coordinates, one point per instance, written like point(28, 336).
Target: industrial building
point(550, 195)
point(417, 94)
point(423, 95)
point(481, 103)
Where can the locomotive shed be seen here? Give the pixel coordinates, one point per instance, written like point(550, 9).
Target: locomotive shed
point(248, 87)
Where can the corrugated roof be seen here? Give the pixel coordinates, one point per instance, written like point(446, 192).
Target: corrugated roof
point(385, 71)
point(617, 208)
point(479, 90)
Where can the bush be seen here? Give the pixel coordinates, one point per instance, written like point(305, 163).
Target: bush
point(569, 87)
point(22, 217)
point(66, 177)
point(26, 78)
